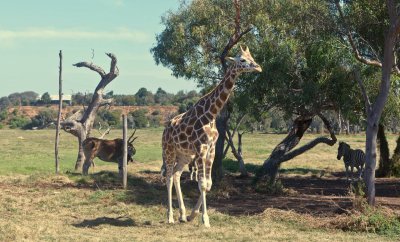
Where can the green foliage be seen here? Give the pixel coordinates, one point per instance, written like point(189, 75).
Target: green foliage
point(270, 187)
point(376, 220)
point(162, 97)
point(42, 120)
point(18, 122)
point(3, 115)
point(144, 97)
point(45, 98)
point(4, 102)
point(139, 118)
point(23, 98)
point(304, 64)
point(112, 118)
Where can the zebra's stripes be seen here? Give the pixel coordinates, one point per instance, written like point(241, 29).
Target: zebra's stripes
point(352, 158)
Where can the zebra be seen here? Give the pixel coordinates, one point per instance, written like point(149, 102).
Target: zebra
point(352, 158)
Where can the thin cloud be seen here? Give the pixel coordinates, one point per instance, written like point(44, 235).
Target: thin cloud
point(119, 34)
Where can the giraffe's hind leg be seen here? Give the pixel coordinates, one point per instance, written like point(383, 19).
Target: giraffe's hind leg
point(169, 164)
point(177, 181)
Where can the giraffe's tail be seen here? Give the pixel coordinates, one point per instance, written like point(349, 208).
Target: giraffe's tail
point(163, 170)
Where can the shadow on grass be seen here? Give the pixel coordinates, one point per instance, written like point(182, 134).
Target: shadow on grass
point(118, 222)
point(233, 166)
point(301, 171)
point(144, 188)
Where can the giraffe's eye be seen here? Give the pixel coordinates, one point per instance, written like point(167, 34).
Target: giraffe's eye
point(242, 60)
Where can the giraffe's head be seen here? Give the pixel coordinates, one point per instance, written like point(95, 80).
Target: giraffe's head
point(244, 62)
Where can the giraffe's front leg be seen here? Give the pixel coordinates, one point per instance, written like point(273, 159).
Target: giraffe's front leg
point(203, 192)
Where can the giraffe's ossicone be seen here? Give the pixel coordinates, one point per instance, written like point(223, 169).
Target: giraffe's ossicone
point(191, 137)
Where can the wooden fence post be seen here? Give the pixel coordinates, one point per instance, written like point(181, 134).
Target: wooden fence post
point(60, 98)
point(125, 160)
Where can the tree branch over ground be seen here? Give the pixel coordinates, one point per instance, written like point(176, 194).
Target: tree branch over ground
point(282, 151)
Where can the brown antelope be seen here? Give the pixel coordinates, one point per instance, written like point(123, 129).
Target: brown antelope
point(107, 150)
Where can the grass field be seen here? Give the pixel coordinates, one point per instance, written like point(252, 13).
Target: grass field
point(36, 205)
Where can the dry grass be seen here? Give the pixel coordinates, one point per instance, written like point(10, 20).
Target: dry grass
point(37, 205)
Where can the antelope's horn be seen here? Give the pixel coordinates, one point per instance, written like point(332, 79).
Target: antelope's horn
point(129, 140)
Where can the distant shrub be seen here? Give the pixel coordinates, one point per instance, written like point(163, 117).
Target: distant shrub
point(3, 115)
point(139, 118)
point(18, 122)
point(156, 112)
point(42, 120)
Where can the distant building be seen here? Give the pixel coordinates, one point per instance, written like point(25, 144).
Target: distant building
point(54, 99)
point(66, 98)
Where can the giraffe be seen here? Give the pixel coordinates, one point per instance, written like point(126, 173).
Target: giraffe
point(191, 137)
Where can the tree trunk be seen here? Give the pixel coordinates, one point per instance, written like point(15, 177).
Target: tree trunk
point(347, 127)
point(81, 156)
point(222, 124)
point(370, 157)
point(237, 153)
point(340, 123)
point(396, 159)
point(385, 163)
point(271, 165)
point(242, 167)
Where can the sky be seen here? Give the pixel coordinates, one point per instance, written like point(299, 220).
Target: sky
point(33, 32)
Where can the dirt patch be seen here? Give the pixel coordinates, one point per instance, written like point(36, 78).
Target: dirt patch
point(327, 196)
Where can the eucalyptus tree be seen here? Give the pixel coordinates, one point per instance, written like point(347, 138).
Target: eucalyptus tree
point(371, 29)
point(196, 40)
point(307, 69)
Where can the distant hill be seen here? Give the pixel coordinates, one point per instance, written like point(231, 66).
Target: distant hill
point(31, 111)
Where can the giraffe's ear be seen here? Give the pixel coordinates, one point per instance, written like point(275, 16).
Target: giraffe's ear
point(230, 59)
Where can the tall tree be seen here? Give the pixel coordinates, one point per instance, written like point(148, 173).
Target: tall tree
point(372, 49)
point(80, 125)
point(195, 43)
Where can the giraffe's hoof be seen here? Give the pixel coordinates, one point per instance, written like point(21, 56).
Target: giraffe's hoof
point(183, 219)
point(206, 221)
point(170, 220)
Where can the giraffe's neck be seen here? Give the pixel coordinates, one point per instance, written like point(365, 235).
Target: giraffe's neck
point(215, 100)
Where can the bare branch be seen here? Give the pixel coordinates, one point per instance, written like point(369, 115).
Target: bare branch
point(352, 43)
point(113, 67)
point(108, 101)
point(235, 37)
point(92, 67)
point(103, 134)
point(328, 126)
point(312, 143)
point(363, 90)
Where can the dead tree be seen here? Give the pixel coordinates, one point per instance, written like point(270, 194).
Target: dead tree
point(80, 125)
